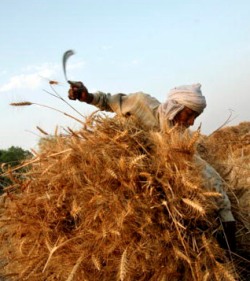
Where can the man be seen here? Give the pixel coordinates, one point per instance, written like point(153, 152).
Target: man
point(181, 108)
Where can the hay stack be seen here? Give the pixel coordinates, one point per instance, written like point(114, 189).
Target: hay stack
point(112, 202)
point(229, 151)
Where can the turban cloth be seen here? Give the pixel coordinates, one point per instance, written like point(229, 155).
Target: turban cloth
point(179, 97)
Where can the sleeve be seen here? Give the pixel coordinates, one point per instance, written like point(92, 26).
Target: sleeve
point(139, 104)
point(215, 182)
point(108, 102)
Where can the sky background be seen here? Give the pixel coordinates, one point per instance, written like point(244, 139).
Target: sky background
point(120, 46)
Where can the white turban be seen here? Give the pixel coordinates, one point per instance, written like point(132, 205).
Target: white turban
point(179, 97)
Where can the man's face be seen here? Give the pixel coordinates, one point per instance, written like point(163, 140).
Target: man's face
point(185, 117)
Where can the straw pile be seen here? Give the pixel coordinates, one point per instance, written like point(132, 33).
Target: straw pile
point(112, 202)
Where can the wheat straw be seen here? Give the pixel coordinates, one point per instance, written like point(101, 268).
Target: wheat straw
point(195, 205)
point(123, 268)
point(116, 203)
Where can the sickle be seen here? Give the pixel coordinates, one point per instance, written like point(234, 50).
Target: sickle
point(66, 55)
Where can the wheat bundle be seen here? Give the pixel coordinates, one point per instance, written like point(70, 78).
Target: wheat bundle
point(112, 202)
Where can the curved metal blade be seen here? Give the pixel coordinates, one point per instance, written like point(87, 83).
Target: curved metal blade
point(66, 55)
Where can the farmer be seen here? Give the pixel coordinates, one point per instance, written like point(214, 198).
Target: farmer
point(181, 108)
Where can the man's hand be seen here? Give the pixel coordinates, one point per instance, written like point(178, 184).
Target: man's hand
point(229, 228)
point(78, 91)
point(227, 237)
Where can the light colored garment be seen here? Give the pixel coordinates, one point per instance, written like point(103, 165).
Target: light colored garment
point(141, 105)
point(146, 109)
point(214, 182)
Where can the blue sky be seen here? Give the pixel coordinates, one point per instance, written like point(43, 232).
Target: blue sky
point(121, 46)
